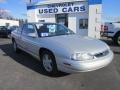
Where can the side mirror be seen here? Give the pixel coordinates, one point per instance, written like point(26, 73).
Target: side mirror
point(33, 35)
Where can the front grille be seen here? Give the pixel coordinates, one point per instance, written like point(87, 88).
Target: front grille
point(102, 54)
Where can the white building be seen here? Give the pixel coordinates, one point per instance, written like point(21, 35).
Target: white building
point(5, 22)
point(81, 16)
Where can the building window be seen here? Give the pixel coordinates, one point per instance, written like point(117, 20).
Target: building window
point(41, 20)
point(7, 24)
point(83, 23)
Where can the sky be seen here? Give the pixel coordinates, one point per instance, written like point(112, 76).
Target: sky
point(111, 10)
point(17, 8)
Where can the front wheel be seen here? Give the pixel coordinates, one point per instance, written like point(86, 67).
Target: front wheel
point(117, 39)
point(49, 62)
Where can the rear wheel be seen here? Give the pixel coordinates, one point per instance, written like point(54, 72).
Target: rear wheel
point(15, 48)
point(49, 62)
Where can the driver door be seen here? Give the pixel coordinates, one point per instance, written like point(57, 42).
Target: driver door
point(30, 38)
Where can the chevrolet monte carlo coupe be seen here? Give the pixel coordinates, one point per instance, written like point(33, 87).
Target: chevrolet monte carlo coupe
point(59, 49)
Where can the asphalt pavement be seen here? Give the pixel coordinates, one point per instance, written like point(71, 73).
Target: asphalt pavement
point(23, 72)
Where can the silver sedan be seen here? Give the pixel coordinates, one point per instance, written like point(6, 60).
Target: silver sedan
point(58, 48)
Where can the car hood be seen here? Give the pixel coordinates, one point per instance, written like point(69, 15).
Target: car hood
point(77, 43)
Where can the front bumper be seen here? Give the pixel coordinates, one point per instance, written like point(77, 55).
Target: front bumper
point(108, 34)
point(71, 66)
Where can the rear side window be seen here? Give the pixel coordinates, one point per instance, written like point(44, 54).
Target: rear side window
point(24, 28)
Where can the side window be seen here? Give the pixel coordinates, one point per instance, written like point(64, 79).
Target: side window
point(24, 29)
point(83, 23)
point(28, 28)
point(19, 30)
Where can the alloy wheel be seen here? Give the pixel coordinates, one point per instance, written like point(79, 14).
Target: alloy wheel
point(47, 63)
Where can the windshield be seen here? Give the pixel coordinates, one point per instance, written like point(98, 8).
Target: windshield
point(3, 28)
point(48, 30)
point(13, 28)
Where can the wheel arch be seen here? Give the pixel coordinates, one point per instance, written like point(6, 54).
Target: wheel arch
point(116, 37)
point(55, 66)
point(118, 32)
point(45, 49)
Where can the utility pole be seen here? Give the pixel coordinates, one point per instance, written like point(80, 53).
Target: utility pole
point(30, 1)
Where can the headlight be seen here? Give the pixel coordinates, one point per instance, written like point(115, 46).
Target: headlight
point(82, 56)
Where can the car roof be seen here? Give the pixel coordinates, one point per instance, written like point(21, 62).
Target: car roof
point(41, 23)
point(2, 26)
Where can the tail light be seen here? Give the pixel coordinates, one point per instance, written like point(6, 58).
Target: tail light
point(104, 28)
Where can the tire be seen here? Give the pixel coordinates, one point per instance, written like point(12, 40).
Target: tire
point(49, 63)
point(117, 39)
point(15, 48)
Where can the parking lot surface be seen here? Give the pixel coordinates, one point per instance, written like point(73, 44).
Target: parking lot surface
point(23, 72)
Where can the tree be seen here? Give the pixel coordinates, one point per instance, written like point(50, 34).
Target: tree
point(5, 14)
